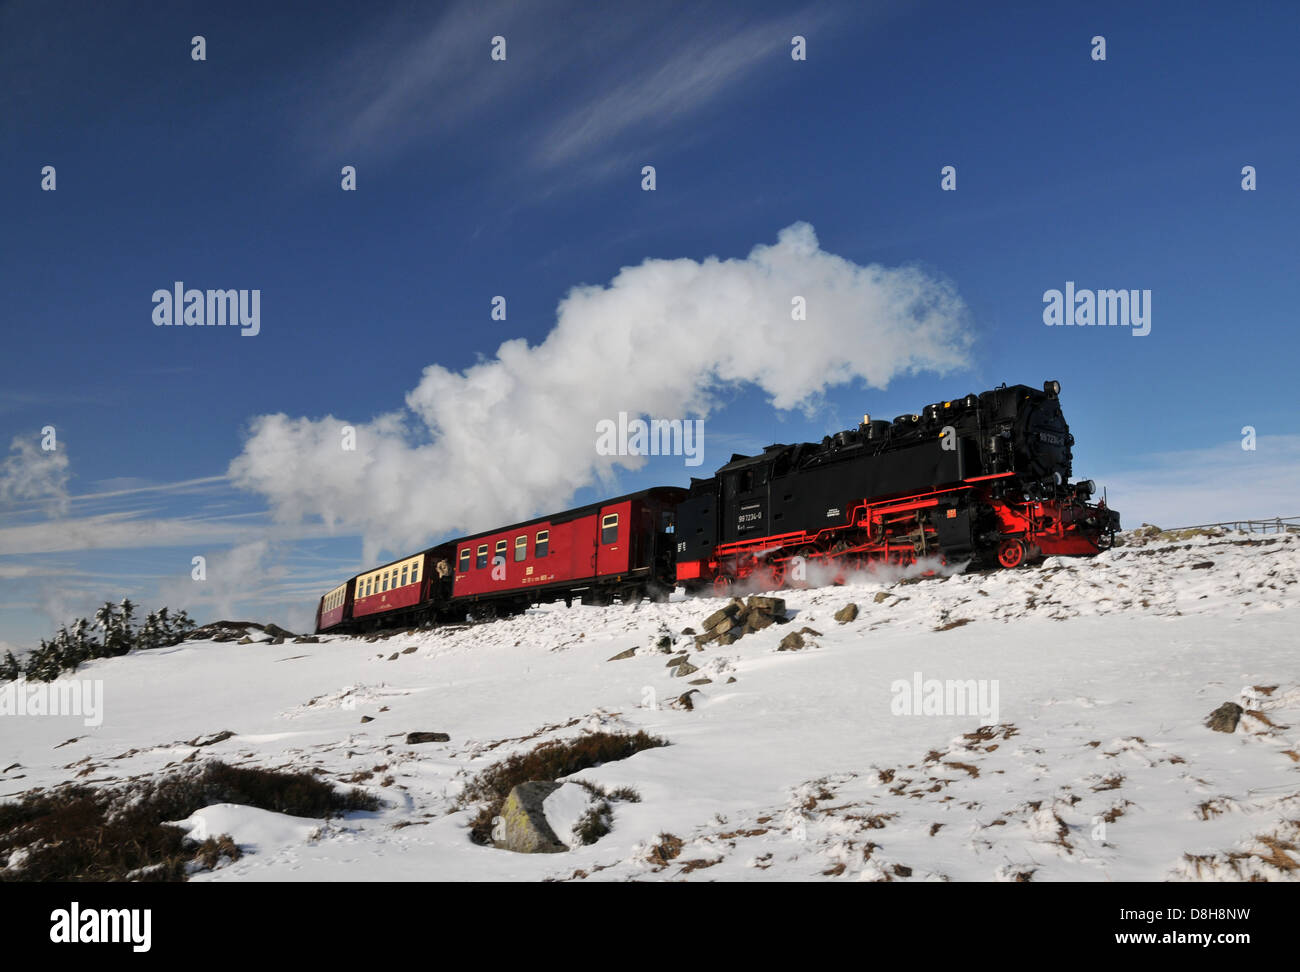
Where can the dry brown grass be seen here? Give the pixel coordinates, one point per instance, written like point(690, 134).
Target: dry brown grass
point(549, 761)
point(668, 848)
point(78, 833)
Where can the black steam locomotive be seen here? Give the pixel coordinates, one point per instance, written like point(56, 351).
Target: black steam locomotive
point(986, 477)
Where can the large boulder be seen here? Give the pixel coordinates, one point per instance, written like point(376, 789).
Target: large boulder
point(524, 827)
point(739, 618)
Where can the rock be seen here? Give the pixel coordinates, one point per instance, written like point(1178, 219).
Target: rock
point(676, 660)
point(277, 641)
point(1203, 565)
point(717, 617)
point(275, 631)
point(810, 631)
point(1224, 718)
point(414, 738)
point(700, 681)
point(770, 605)
point(524, 826)
point(882, 596)
point(245, 641)
point(209, 740)
point(393, 657)
point(365, 719)
point(623, 654)
point(407, 651)
point(704, 639)
point(685, 700)
point(730, 638)
point(758, 621)
point(791, 642)
point(847, 613)
point(726, 624)
point(306, 640)
point(730, 679)
point(685, 668)
point(688, 631)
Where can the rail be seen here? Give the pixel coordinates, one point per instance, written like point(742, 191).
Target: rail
point(1278, 524)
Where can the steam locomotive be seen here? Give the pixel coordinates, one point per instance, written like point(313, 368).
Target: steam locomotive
point(984, 478)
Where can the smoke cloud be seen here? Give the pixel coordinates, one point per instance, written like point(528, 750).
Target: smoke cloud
point(514, 436)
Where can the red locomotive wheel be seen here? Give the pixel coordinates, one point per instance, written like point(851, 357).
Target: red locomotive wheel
point(722, 586)
point(1011, 553)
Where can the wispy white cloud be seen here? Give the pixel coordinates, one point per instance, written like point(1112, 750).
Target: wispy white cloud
point(577, 80)
point(33, 473)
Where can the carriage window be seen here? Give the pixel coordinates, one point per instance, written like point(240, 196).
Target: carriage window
point(480, 561)
point(405, 569)
point(521, 548)
point(415, 572)
point(500, 552)
point(383, 582)
point(464, 561)
point(609, 528)
point(543, 543)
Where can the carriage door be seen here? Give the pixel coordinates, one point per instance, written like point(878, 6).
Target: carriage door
point(612, 539)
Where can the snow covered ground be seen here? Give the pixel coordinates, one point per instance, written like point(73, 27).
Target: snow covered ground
point(1091, 678)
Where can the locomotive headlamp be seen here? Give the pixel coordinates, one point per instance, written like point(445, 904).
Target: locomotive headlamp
point(1052, 387)
point(1085, 488)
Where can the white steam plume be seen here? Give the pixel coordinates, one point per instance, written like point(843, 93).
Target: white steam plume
point(515, 435)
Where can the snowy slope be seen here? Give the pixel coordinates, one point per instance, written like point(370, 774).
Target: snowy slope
point(1096, 767)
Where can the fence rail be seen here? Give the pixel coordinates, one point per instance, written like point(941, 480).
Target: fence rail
point(1278, 524)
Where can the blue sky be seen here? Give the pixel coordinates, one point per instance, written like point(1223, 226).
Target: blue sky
point(522, 178)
